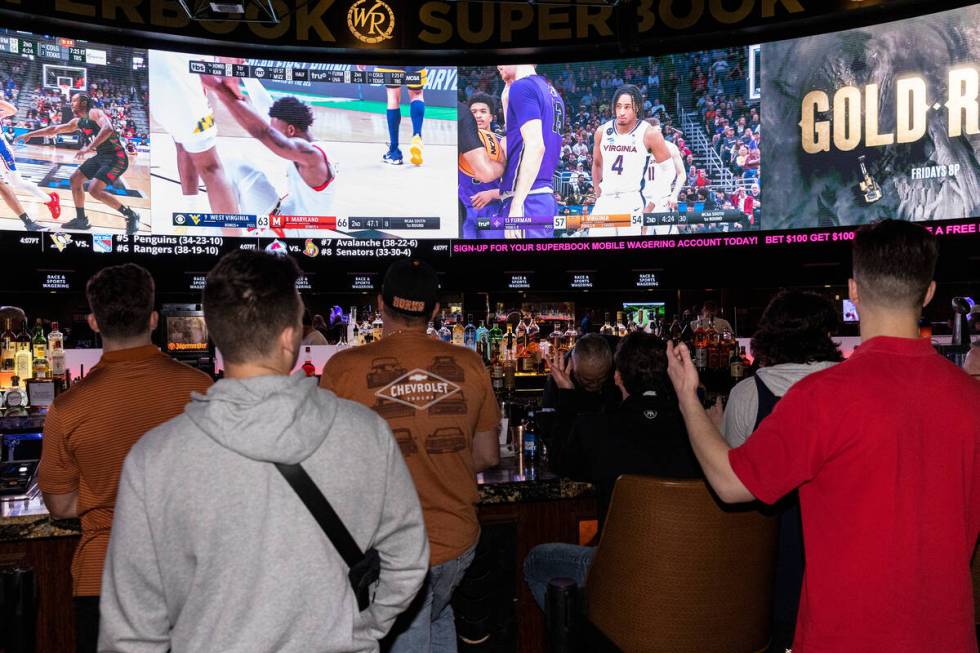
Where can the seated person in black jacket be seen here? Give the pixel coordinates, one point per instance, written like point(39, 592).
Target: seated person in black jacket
point(581, 383)
point(644, 435)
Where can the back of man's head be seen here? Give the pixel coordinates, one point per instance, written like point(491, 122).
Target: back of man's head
point(249, 300)
point(121, 299)
point(410, 291)
point(893, 264)
point(709, 309)
point(592, 356)
point(641, 361)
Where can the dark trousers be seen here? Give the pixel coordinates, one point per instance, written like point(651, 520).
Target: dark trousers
point(86, 624)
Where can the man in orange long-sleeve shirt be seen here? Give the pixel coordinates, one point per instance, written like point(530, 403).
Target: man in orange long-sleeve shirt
point(90, 429)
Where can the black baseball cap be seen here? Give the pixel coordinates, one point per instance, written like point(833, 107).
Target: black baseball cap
point(411, 287)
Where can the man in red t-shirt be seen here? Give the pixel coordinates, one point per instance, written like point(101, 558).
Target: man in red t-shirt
point(884, 451)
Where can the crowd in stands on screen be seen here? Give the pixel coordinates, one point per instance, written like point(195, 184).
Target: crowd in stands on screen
point(711, 83)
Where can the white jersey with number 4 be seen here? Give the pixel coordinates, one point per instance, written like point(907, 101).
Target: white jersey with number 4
point(624, 159)
point(303, 199)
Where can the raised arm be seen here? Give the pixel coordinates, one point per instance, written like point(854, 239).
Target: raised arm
point(67, 128)
point(258, 127)
point(709, 447)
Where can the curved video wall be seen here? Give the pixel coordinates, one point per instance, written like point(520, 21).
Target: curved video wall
point(833, 130)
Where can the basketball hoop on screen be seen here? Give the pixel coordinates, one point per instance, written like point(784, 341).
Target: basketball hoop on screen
point(65, 91)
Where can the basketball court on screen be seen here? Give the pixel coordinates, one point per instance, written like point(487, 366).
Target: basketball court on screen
point(355, 135)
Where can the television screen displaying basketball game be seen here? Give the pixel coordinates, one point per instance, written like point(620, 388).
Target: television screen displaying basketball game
point(75, 137)
point(246, 147)
point(108, 141)
point(631, 147)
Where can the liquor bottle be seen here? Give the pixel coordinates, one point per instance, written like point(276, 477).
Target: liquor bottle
point(497, 376)
point(495, 335)
point(15, 399)
point(459, 331)
point(41, 369)
point(23, 361)
point(607, 328)
point(483, 340)
point(525, 361)
point(431, 331)
point(469, 333)
point(367, 331)
point(675, 331)
point(569, 338)
point(533, 330)
point(521, 334)
point(620, 327)
point(557, 338)
point(39, 343)
point(727, 346)
point(352, 326)
point(308, 367)
point(700, 346)
point(444, 333)
point(377, 327)
point(738, 364)
point(509, 344)
point(530, 443)
point(714, 341)
point(8, 348)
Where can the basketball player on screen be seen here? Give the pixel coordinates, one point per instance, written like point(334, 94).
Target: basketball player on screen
point(622, 150)
point(480, 199)
point(535, 117)
point(180, 105)
point(652, 185)
point(104, 169)
point(286, 133)
point(416, 110)
point(11, 181)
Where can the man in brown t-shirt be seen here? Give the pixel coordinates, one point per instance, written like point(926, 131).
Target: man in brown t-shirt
point(90, 429)
point(441, 408)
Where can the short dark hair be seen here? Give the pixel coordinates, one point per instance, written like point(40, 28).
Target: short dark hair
point(249, 299)
point(796, 328)
point(483, 98)
point(292, 111)
point(85, 98)
point(593, 348)
point(641, 360)
point(634, 93)
point(894, 263)
point(121, 298)
point(709, 305)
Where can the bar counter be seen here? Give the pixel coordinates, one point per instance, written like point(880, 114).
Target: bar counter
point(517, 511)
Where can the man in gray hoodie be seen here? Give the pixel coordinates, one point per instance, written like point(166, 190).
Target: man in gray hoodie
point(211, 549)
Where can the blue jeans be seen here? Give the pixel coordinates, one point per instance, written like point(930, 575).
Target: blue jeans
point(556, 560)
point(429, 623)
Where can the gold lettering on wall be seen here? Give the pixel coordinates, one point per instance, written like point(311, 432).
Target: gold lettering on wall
point(75, 7)
point(769, 7)
point(464, 21)
point(128, 7)
point(514, 18)
point(677, 22)
point(722, 15)
point(432, 15)
point(553, 23)
point(167, 13)
point(311, 18)
point(589, 18)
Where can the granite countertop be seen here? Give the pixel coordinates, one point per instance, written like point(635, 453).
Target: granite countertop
point(26, 518)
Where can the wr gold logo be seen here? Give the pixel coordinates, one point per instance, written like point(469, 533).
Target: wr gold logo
point(371, 21)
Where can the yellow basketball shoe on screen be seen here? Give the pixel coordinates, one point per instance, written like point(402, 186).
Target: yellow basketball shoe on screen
point(415, 150)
